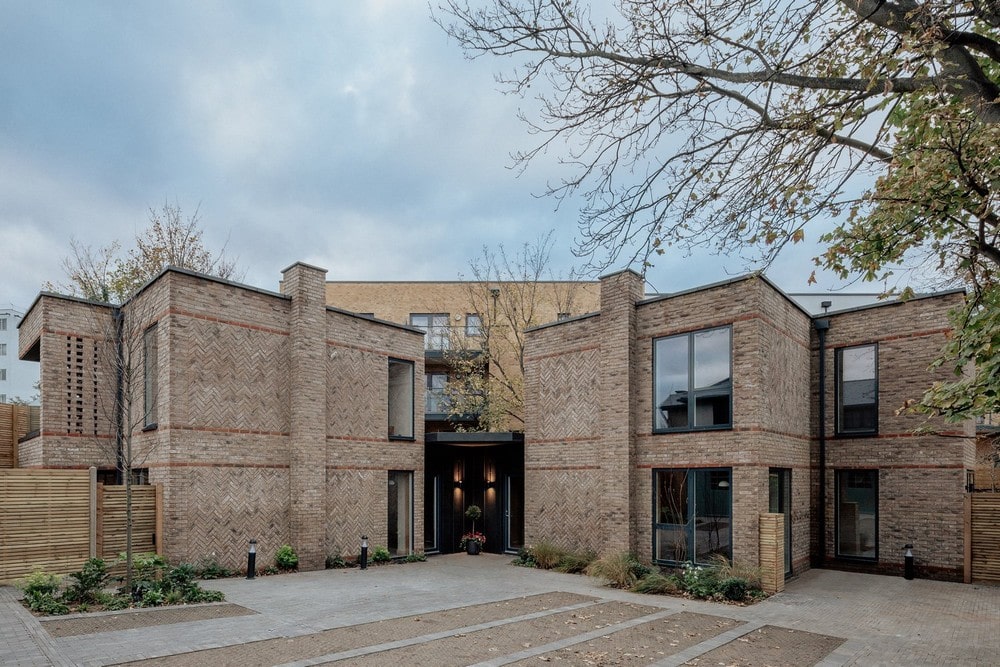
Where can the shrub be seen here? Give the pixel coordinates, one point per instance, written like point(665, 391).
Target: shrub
point(88, 583)
point(727, 570)
point(415, 558)
point(209, 568)
point(621, 569)
point(152, 598)
point(524, 558)
point(45, 603)
point(655, 583)
point(381, 555)
point(547, 555)
point(700, 581)
point(734, 589)
point(336, 562)
point(575, 562)
point(39, 582)
point(286, 559)
point(112, 602)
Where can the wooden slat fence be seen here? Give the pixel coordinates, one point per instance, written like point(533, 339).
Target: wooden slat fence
point(16, 421)
point(54, 520)
point(986, 537)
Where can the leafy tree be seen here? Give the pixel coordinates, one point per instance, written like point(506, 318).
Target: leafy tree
point(511, 292)
point(735, 124)
point(105, 274)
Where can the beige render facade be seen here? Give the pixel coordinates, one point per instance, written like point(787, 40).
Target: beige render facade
point(273, 414)
point(615, 460)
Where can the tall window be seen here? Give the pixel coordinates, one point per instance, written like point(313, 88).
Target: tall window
point(3, 323)
point(3, 374)
point(435, 399)
point(400, 399)
point(149, 372)
point(692, 514)
point(692, 376)
point(400, 513)
point(857, 389)
point(435, 326)
point(857, 513)
point(473, 325)
point(3, 349)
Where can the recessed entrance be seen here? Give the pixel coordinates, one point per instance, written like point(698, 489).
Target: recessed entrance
point(484, 469)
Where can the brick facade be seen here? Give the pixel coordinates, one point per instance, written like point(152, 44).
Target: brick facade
point(271, 411)
point(592, 450)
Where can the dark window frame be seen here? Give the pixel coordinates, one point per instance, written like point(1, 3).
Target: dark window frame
point(692, 393)
point(150, 376)
point(838, 364)
point(389, 400)
point(874, 479)
point(691, 496)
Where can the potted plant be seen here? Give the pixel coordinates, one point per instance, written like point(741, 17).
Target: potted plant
point(473, 541)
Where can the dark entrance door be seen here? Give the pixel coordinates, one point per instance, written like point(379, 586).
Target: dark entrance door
point(486, 474)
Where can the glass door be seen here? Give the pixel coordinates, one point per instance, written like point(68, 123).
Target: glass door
point(513, 515)
point(400, 513)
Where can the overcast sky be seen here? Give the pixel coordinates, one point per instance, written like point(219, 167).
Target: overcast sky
point(350, 135)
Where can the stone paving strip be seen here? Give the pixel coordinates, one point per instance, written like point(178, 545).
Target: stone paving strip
point(112, 621)
point(771, 646)
point(642, 644)
point(474, 646)
point(268, 652)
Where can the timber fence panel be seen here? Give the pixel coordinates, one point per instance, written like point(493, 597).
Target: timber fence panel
point(16, 421)
point(44, 521)
point(986, 537)
point(112, 537)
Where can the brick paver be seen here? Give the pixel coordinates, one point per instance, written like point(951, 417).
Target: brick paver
point(883, 620)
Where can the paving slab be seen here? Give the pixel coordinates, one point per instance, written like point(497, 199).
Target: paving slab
point(878, 620)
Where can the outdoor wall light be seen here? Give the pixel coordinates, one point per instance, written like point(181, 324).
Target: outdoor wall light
point(723, 484)
point(252, 560)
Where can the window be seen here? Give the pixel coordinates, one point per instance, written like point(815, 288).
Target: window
point(857, 514)
point(473, 325)
point(692, 376)
point(435, 399)
point(3, 374)
point(435, 326)
point(857, 389)
point(692, 514)
point(3, 323)
point(562, 316)
point(3, 349)
point(400, 399)
point(400, 513)
point(3, 398)
point(149, 368)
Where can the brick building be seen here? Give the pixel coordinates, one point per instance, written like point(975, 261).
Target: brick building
point(670, 425)
point(460, 317)
point(263, 415)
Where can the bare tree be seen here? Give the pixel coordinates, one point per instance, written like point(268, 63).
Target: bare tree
point(171, 239)
point(510, 292)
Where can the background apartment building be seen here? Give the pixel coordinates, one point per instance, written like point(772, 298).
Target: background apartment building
point(17, 378)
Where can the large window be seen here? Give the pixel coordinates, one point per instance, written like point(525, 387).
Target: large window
point(692, 376)
point(400, 398)
point(435, 326)
point(400, 513)
point(692, 514)
point(150, 381)
point(857, 514)
point(857, 390)
point(436, 399)
point(473, 325)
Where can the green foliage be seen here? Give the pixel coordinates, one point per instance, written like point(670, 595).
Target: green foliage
point(620, 569)
point(524, 558)
point(381, 555)
point(473, 512)
point(418, 557)
point(209, 568)
point(656, 583)
point(336, 562)
point(700, 581)
point(88, 583)
point(720, 580)
point(547, 555)
point(39, 582)
point(575, 562)
point(112, 602)
point(45, 603)
point(285, 558)
point(152, 597)
point(734, 588)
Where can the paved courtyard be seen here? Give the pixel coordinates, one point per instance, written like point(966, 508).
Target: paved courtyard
point(462, 610)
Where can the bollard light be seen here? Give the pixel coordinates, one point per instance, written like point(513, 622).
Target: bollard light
point(908, 562)
point(252, 560)
point(364, 552)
